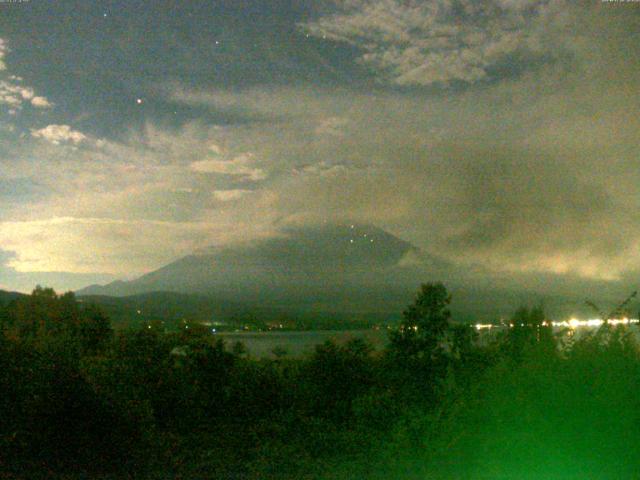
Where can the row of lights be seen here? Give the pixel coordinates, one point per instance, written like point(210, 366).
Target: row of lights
point(572, 323)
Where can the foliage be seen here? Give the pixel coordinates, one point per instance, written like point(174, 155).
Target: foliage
point(45, 320)
point(529, 330)
point(80, 401)
point(424, 324)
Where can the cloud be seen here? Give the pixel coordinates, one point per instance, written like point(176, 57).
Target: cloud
point(25, 281)
point(108, 203)
point(14, 95)
point(333, 126)
point(530, 177)
point(215, 149)
point(240, 166)
point(12, 92)
point(530, 213)
point(115, 246)
point(423, 43)
point(512, 188)
point(229, 195)
point(89, 245)
point(452, 172)
point(41, 102)
point(58, 134)
point(322, 169)
point(3, 53)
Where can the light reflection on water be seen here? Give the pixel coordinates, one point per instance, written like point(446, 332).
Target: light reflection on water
point(296, 344)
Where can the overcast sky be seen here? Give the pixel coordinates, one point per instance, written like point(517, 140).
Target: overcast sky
point(500, 136)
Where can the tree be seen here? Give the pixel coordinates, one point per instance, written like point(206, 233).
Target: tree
point(239, 349)
point(279, 352)
point(36, 315)
point(425, 324)
point(45, 320)
point(463, 340)
point(529, 328)
point(94, 330)
point(337, 375)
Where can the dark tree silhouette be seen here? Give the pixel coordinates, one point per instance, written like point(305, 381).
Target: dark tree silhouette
point(425, 324)
point(529, 329)
point(94, 330)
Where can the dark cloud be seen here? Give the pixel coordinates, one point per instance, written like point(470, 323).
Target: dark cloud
point(511, 197)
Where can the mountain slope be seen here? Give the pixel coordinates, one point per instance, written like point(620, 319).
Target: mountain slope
point(342, 271)
point(330, 267)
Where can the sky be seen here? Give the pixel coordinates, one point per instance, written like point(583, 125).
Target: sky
point(499, 136)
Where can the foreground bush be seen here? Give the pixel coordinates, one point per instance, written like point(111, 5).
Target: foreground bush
point(81, 402)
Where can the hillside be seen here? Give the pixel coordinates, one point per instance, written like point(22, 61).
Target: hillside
point(6, 297)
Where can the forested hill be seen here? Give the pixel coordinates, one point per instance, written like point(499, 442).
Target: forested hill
point(6, 297)
point(174, 309)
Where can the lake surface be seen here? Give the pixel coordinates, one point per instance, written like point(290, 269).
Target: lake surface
point(296, 344)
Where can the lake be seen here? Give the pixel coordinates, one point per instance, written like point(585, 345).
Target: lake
point(297, 344)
